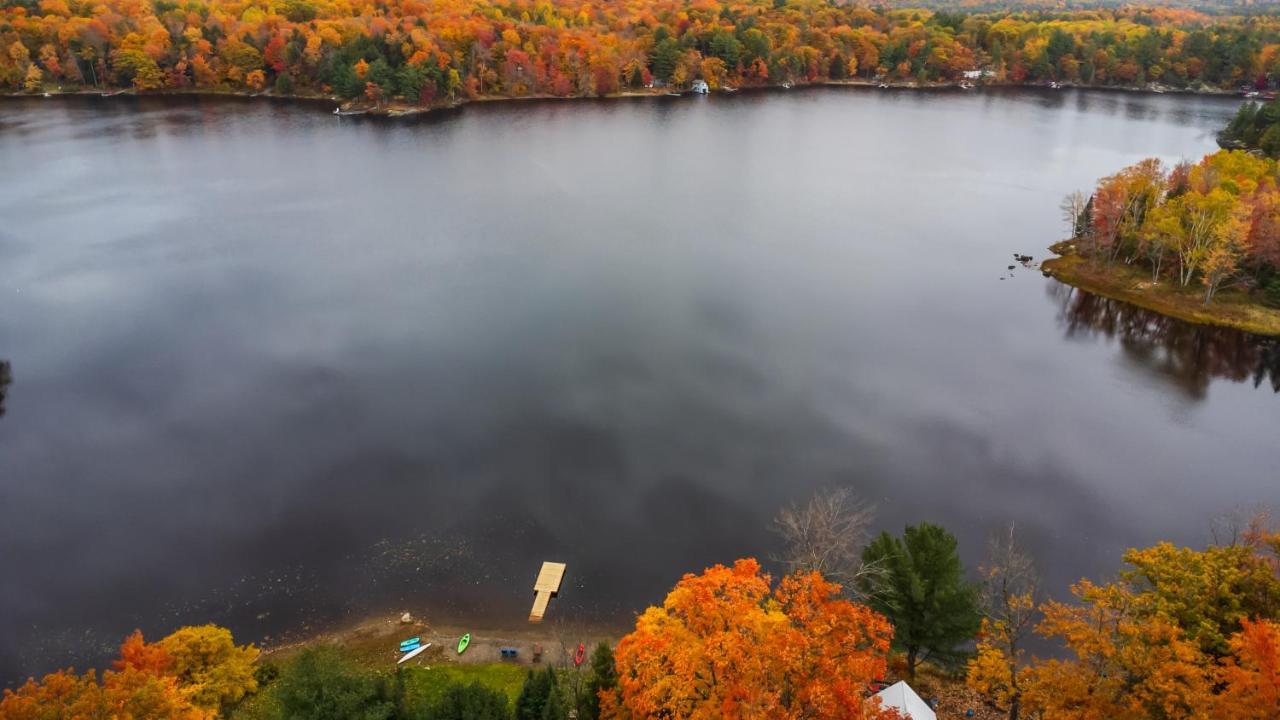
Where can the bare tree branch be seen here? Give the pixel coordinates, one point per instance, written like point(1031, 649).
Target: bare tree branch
point(1010, 596)
point(827, 535)
point(1072, 207)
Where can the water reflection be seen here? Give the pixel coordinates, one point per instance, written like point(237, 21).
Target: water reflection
point(1189, 356)
point(6, 379)
point(249, 389)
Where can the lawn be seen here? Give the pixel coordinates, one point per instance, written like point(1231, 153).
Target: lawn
point(424, 686)
point(427, 684)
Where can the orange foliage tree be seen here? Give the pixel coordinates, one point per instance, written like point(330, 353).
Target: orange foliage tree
point(189, 675)
point(1182, 635)
point(1251, 674)
point(726, 644)
point(122, 695)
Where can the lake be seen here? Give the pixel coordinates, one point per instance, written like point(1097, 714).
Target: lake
point(278, 369)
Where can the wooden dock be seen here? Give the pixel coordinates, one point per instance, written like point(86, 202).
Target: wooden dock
point(545, 588)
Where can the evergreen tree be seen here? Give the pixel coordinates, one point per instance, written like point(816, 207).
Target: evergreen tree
point(726, 47)
point(323, 685)
point(604, 677)
point(1269, 143)
point(469, 702)
point(533, 696)
point(920, 587)
point(1254, 127)
point(664, 58)
point(1241, 125)
point(556, 707)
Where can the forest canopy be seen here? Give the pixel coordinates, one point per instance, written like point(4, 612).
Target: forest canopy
point(449, 50)
point(1215, 223)
point(1254, 127)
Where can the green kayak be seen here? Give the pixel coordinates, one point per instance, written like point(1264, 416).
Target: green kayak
point(463, 642)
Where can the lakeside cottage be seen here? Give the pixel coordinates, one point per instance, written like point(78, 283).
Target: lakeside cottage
point(700, 87)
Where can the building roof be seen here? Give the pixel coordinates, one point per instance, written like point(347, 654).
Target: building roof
point(902, 698)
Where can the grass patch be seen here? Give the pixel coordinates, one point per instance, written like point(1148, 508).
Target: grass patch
point(426, 685)
point(1132, 284)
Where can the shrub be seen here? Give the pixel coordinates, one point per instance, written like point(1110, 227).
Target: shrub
point(266, 673)
point(321, 684)
point(469, 702)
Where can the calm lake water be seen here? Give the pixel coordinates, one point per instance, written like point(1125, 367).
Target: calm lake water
point(274, 368)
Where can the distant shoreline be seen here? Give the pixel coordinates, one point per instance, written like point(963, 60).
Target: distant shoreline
point(1230, 308)
point(394, 110)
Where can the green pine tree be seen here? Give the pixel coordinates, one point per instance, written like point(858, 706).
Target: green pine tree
point(603, 677)
point(323, 684)
point(556, 707)
point(919, 585)
point(664, 57)
point(1269, 143)
point(533, 696)
point(469, 702)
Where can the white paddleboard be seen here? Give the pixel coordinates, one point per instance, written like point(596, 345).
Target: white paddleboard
point(413, 653)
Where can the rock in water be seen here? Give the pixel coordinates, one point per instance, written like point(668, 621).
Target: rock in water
point(406, 619)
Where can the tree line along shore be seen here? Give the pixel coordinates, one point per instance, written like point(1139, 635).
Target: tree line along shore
point(400, 108)
point(411, 54)
point(1179, 633)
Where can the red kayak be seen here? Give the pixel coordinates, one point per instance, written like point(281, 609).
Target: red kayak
point(579, 656)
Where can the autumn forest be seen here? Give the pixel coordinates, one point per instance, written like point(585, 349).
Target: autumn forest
point(421, 53)
point(1181, 634)
point(781, 394)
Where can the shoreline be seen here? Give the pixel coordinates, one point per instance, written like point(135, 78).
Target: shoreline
point(1231, 308)
point(405, 110)
point(373, 641)
point(372, 645)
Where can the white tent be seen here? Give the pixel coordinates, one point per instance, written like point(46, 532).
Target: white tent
point(902, 698)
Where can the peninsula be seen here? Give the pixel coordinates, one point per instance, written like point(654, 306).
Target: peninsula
point(1199, 242)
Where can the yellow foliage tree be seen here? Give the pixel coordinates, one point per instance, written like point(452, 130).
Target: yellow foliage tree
point(1009, 589)
point(34, 80)
point(714, 72)
point(1125, 667)
point(209, 666)
point(1207, 593)
point(1183, 635)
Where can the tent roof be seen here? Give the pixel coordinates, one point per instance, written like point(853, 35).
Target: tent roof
point(901, 697)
